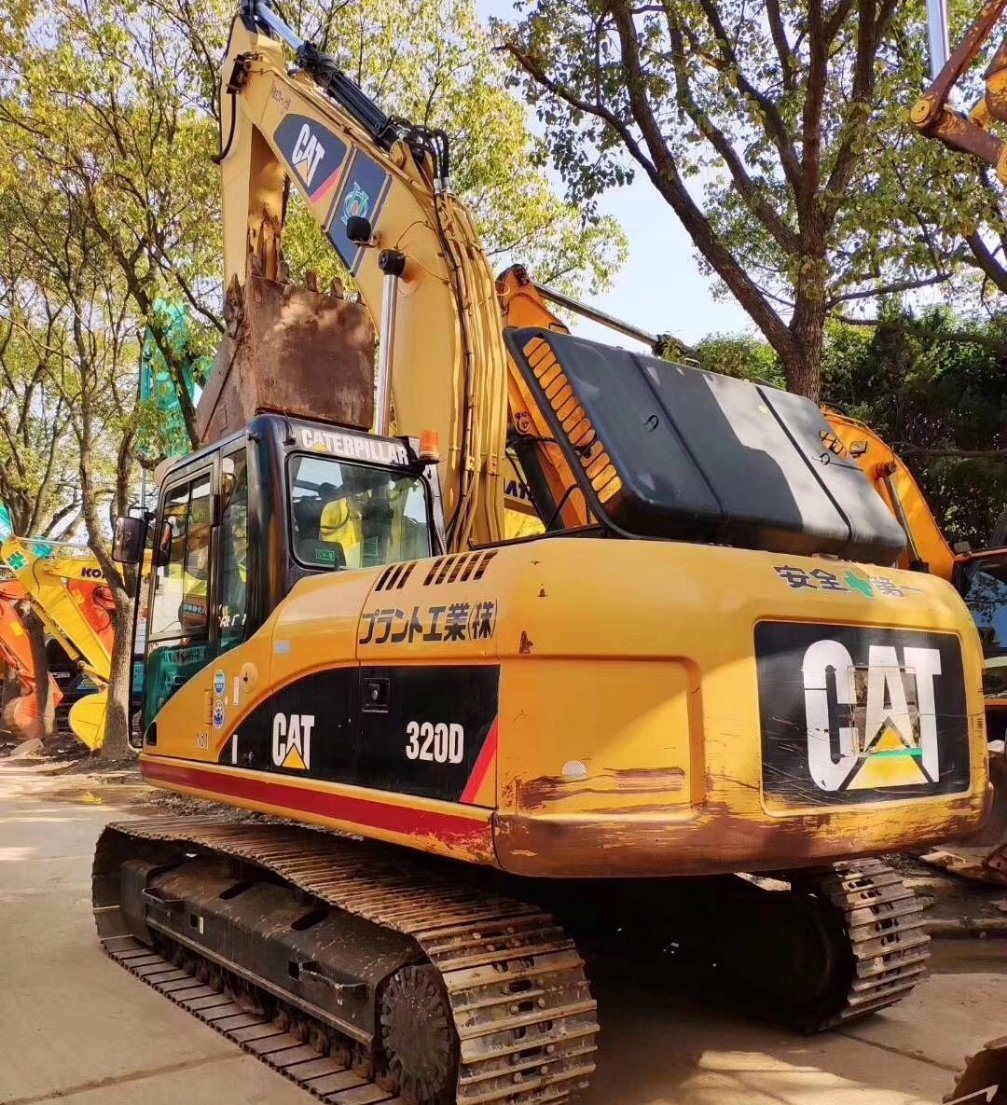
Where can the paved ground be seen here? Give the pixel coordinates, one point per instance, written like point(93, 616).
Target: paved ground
point(75, 1028)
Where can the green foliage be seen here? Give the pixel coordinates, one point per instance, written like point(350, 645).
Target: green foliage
point(779, 137)
point(935, 388)
point(740, 355)
point(933, 385)
point(37, 470)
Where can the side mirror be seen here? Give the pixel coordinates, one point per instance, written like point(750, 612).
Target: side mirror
point(127, 542)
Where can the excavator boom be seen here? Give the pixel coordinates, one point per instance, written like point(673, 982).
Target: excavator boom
point(380, 190)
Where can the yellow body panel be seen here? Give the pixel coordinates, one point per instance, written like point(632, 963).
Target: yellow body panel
point(629, 715)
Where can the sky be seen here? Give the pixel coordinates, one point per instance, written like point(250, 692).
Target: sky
point(660, 288)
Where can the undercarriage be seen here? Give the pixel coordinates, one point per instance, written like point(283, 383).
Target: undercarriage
point(368, 975)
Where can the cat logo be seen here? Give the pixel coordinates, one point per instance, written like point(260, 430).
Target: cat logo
point(308, 152)
point(292, 741)
point(871, 727)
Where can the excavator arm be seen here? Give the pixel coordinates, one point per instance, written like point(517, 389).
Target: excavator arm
point(970, 132)
point(379, 189)
point(20, 712)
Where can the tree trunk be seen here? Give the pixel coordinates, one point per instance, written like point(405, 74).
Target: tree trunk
point(117, 723)
point(40, 662)
point(803, 366)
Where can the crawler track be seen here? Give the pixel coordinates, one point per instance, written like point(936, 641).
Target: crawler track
point(519, 1000)
point(284, 1051)
point(884, 923)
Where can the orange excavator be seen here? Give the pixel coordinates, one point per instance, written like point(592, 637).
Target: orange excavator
point(705, 663)
point(20, 711)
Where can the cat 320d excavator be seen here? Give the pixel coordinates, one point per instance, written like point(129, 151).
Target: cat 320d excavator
point(706, 664)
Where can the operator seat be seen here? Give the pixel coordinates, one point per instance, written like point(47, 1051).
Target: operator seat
point(310, 549)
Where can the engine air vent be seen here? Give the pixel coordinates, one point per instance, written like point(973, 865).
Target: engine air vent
point(395, 575)
point(573, 419)
point(460, 568)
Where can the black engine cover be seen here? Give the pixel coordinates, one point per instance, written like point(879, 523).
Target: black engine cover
point(677, 452)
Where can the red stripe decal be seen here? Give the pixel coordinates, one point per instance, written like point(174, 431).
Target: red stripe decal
point(482, 766)
point(326, 186)
point(446, 827)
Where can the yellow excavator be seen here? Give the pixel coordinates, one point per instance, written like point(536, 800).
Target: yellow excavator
point(974, 131)
point(706, 662)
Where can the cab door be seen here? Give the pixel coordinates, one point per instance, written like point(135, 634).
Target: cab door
point(180, 635)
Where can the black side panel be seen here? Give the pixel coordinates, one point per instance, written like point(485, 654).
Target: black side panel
point(412, 730)
point(324, 743)
point(428, 740)
point(676, 452)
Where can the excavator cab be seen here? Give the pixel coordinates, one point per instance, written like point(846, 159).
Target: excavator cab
point(240, 522)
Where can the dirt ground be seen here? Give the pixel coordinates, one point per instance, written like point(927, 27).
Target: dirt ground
point(118, 1041)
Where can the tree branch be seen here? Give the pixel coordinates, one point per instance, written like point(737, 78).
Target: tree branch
point(775, 123)
point(782, 234)
point(889, 289)
point(783, 52)
point(986, 261)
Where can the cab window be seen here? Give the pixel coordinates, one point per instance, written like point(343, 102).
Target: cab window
point(181, 586)
point(353, 516)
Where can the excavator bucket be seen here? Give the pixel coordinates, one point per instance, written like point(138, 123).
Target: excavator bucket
point(294, 351)
point(87, 718)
